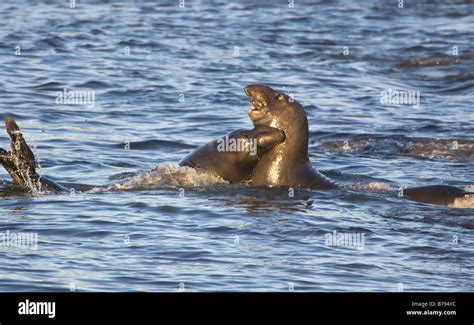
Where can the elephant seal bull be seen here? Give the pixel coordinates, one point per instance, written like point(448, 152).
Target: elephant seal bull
point(288, 164)
point(232, 157)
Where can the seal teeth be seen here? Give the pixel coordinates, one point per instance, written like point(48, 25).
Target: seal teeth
point(256, 105)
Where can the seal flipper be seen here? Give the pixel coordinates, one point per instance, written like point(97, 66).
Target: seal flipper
point(7, 161)
point(267, 139)
point(20, 162)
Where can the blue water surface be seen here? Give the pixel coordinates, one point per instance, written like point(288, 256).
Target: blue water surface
point(166, 79)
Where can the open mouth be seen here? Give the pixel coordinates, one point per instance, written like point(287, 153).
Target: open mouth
point(257, 105)
point(256, 112)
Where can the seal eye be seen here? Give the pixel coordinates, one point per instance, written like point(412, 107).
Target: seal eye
point(279, 97)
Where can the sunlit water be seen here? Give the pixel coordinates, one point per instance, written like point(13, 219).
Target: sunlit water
point(167, 79)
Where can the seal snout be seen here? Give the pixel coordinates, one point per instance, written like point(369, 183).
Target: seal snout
point(247, 91)
point(255, 96)
point(252, 90)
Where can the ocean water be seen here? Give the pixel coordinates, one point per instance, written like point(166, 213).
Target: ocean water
point(163, 80)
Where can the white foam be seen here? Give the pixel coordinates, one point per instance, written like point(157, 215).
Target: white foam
point(466, 202)
point(469, 188)
point(372, 186)
point(168, 176)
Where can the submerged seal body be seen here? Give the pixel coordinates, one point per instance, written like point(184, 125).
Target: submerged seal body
point(287, 163)
point(436, 194)
point(234, 156)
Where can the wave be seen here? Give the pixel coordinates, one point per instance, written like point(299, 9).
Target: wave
point(52, 41)
point(50, 86)
point(139, 43)
point(94, 84)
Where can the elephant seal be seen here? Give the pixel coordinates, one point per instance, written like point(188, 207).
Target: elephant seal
point(281, 137)
point(287, 163)
point(234, 156)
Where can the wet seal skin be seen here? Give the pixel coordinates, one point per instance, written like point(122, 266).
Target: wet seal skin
point(437, 194)
point(234, 156)
point(286, 164)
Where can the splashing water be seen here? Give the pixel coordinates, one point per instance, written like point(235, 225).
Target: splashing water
point(166, 176)
point(466, 202)
point(372, 186)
